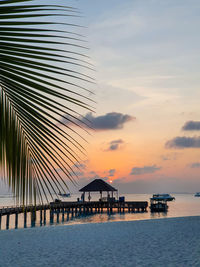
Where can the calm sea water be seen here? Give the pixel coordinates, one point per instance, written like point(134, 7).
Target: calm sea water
point(184, 205)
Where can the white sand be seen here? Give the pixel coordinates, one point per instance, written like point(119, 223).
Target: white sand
point(162, 242)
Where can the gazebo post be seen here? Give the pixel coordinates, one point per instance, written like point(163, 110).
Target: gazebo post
point(101, 194)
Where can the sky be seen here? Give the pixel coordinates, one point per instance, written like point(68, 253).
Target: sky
point(146, 55)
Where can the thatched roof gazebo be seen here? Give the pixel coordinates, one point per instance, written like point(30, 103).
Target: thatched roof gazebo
point(98, 185)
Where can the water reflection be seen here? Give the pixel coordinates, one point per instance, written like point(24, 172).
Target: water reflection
point(156, 215)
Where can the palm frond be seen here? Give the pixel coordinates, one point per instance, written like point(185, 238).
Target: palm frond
point(42, 82)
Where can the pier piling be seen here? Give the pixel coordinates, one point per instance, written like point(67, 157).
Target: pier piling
point(7, 221)
point(25, 218)
point(41, 216)
point(16, 220)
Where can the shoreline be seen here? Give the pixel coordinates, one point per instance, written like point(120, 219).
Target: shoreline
point(74, 223)
point(85, 220)
point(155, 242)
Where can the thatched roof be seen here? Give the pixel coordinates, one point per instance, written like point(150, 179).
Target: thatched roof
point(96, 186)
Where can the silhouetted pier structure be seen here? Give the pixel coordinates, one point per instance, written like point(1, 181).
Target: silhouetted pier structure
point(78, 208)
point(16, 210)
point(72, 209)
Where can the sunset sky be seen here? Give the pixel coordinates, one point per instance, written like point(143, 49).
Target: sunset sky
point(146, 55)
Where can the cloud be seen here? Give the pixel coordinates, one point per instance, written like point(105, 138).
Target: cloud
point(117, 94)
point(92, 172)
point(87, 178)
point(109, 121)
point(108, 173)
point(191, 126)
point(183, 142)
point(165, 157)
point(82, 165)
point(112, 172)
point(195, 165)
point(79, 169)
point(144, 170)
point(172, 156)
point(114, 145)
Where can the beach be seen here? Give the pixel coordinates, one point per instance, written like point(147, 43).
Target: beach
point(157, 242)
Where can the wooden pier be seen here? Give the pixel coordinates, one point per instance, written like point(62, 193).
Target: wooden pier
point(72, 209)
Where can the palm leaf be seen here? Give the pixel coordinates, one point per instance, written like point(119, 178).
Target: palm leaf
point(42, 82)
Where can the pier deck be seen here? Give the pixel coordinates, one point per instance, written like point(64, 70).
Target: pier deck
point(73, 208)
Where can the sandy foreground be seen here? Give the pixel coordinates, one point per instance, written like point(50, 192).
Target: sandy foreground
point(161, 242)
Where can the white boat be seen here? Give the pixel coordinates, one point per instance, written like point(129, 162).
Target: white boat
point(165, 197)
point(64, 195)
point(197, 194)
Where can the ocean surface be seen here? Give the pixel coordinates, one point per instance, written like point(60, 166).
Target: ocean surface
point(184, 205)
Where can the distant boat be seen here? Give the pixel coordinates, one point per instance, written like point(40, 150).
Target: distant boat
point(165, 197)
point(197, 194)
point(64, 195)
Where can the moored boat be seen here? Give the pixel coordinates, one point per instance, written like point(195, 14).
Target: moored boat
point(165, 197)
point(160, 206)
point(64, 195)
point(159, 202)
point(197, 194)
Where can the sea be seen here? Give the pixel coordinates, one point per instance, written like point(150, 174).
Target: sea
point(185, 204)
